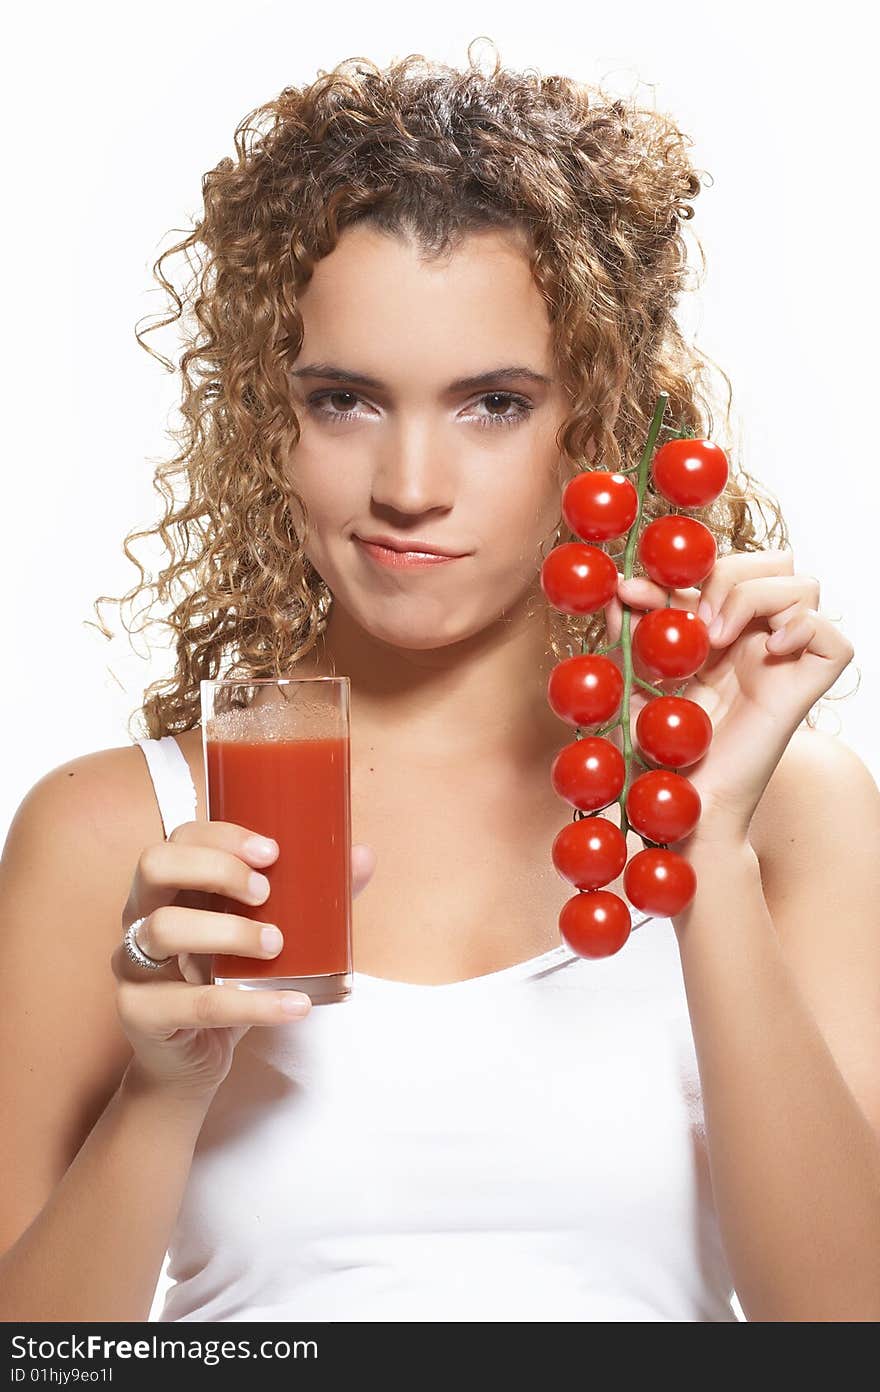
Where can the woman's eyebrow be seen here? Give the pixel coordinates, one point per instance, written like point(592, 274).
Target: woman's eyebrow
point(481, 379)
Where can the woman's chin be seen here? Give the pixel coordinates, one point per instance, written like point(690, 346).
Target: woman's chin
point(420, 633)
point(418, 639)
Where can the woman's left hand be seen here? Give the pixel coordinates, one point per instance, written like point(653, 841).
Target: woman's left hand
point(755, 695)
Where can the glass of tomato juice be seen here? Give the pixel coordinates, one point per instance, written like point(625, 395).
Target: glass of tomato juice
point(277, 755)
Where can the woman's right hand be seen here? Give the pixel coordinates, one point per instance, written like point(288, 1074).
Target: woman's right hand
point(183, 1029)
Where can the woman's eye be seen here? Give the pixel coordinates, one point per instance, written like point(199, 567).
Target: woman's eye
point(522, 408)
point(316, 400)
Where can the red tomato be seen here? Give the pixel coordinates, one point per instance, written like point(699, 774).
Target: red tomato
point(578, 579)
point(677, 551)
point(590, 852)
point(671, 642)
point(659, 882)
point(663, 806)
point(598, 506)
point(690, 473)
point(589, 773)
point(596, 924)
point(585, 689)
point(673, 730)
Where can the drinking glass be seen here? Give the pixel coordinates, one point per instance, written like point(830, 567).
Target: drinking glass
point(277, 755)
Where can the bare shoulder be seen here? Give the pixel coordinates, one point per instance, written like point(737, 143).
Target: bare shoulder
point(820, 788)
point(69, 856)
point(105, 795)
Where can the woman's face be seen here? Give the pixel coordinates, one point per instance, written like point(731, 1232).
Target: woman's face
point(418, 455)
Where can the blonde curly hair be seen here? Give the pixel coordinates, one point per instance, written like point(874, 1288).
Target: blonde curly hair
point(599, 185)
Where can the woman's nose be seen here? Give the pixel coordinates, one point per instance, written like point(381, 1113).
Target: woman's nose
point(413, 472)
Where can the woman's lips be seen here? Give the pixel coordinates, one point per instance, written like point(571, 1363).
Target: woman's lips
point(383, 555)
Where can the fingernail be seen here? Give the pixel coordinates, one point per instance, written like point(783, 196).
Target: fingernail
point(296, 1005)
point(261, 847)
point(716, 626)
point(258, 886)
point(271, 939)
point(704, 612)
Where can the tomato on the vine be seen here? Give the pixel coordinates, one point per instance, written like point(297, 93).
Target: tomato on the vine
point(590, 689)
point(595, 924)
point(663, 806)
point(598, 505)
point(585, 689)
point(589, 773)
point(578, 579)
point(659, 882)
point(590, 852)
point(690, 473)
point(671, 642)
point(677, 551)
point(673, 730)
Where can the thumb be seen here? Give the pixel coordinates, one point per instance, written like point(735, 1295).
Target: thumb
point(363, 863)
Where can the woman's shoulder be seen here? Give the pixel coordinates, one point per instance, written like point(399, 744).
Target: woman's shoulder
point(107, 798)
point(816, 772)
point(102, 798)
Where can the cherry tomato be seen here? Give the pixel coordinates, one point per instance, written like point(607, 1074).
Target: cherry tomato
point(659, 882)
point(663, 806)
point(598, 506)
point(677, 551)
point(590, 852)
point(585, 689)
point(589, 773)
point(578, 579)
point(673, 730)
point(690, 473)
point(671, 642)
point(596, 924)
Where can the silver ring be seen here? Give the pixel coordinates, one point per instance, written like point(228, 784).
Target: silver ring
point(137, 955)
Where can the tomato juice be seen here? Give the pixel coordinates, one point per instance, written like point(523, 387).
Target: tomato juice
point(297, 791)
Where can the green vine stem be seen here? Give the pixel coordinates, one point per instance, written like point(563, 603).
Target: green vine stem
point(624, 642)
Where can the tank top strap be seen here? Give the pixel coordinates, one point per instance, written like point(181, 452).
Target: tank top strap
point(172, 781)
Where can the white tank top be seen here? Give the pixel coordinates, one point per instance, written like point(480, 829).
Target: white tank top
point(524, 1145)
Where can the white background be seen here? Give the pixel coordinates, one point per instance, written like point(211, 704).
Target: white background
point(112, 114)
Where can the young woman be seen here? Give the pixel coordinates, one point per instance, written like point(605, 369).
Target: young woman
point(427, 299)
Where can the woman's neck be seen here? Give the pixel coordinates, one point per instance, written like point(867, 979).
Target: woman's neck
point(484, 697)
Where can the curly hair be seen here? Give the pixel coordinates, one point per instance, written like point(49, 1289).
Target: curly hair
point(600, 187)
